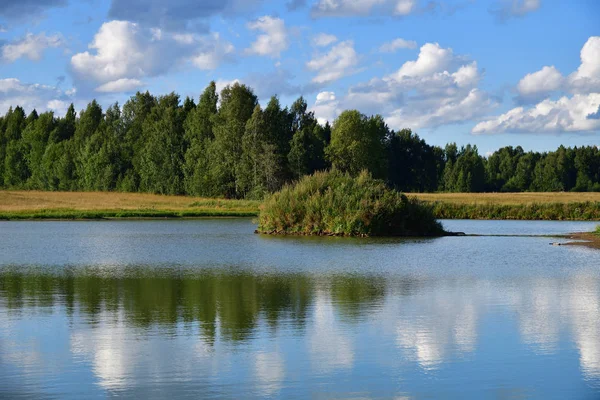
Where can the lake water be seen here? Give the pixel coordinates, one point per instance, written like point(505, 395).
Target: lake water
point(207, 309)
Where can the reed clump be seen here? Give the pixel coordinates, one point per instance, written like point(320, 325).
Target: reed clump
point(336, 204)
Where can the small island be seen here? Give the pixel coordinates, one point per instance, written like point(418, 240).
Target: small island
point(334, 203)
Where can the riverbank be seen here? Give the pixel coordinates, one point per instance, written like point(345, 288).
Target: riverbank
point(586, 239)
point(31, 205)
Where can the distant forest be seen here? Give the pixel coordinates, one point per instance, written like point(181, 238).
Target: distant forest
point(228, 146)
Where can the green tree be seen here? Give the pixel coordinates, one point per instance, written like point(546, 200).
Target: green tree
point(162, 155)
point(199, 136)
point(358, 143)
point(237, 105)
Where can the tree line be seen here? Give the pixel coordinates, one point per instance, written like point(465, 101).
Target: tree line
point(227, 145)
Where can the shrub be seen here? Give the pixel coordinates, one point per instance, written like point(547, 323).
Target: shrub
point(334, 203)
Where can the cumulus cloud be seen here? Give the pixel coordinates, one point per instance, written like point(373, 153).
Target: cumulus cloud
point(122, 53)
point(323, 40)
point(537, 85)
point(177, 15)
point(506, 9)
point(30, 46)
point(567, 114)
point(338, 62)
point(437, 88)
point(348, 8)
point(432, 58)
point(120, 85)
point(273, 40)
point(587, 77)
point(595, 115)
point(29, 96)
point(326, 107)
point(212, 51)
point(396, 44)
point(20, 9)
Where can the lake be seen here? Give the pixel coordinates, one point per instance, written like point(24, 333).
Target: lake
point(207, 309)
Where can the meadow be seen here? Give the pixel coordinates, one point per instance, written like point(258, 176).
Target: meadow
point(98, 205)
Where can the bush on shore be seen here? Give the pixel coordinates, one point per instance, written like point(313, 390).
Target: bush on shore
point(334, 203)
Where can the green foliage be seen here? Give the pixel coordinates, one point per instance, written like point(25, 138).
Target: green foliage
point(335, 203)
point(223, 147)
point(237, 105)
point(414, 166)
point(358, 143)
point(307, 146)
point(587, 211)
point(162, 155)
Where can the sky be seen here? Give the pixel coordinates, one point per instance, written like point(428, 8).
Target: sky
point(487, 72)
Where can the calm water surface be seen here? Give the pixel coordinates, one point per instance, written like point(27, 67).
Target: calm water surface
point(207, 309)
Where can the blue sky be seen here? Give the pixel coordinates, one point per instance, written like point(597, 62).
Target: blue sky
point(487, 72)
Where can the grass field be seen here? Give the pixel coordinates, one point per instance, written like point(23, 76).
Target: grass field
point(95, 205)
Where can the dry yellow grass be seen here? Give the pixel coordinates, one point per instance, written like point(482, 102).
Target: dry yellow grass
point(509, 198)
point(21, 201)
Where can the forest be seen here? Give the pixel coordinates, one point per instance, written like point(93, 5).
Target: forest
point(227, 146)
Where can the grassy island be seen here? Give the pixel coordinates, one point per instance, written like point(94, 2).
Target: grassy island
point(334, 203)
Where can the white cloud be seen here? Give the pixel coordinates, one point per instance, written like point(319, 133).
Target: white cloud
point(335, 64)
point(537, 85)
point(540, 83)
point(432, 58)
point(3, 29)
point(274, 39)
point(505, 9)
point(347, 8)
point(223, 83)
point(567, 114)
point(215, 51)
point(437, 88)
point(29, 96)
point(120, 85)
point(125, 52)
point(396, 44)
point(587, 77)
point(445, 111)
point(326, 107)
point(30, 46)
point(323, 40)
point(404, 7)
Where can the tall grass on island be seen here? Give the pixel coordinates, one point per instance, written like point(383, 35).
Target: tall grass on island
point(336, 204)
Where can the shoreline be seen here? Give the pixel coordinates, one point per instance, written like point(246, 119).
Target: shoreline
point(586, 239)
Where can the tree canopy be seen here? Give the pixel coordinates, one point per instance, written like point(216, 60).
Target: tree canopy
point(228, 145)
